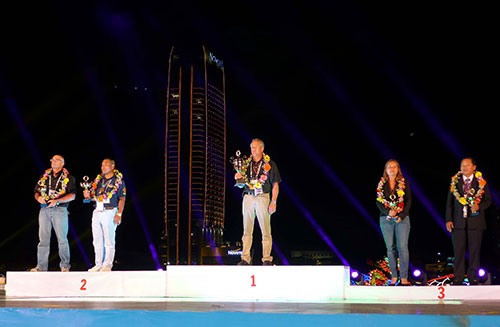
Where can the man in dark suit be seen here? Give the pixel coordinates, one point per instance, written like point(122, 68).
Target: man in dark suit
point(468, 198)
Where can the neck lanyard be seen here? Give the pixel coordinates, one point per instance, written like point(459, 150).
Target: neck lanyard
point(256, 173)
point(104, 188)
point(50, 180)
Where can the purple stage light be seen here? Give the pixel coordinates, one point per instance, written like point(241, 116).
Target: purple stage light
point(417, 273)
point(354, 274)
point(481, 272)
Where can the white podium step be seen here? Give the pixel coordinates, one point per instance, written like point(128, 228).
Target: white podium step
point(258, 283)
point(196, 283)
point(422, 293)
point(83, 284)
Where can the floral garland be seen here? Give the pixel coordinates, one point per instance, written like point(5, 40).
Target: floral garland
point(263, 177)
point(114, 189)
point(393, 205)
point(473, 198)
point(62, 189)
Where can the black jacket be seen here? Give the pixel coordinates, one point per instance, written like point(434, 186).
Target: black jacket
point(454, 209)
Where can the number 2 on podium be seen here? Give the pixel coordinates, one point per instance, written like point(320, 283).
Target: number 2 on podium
point(84, 282)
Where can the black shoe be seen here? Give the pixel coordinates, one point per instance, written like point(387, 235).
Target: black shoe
point(267, 263)
point(474, 282)
point(404, 284)
point(243, 263)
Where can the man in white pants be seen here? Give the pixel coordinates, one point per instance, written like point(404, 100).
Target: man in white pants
point(260, 195)
point(108, 192)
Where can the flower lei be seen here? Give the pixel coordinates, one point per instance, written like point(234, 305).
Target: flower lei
point(114, 189)
point(62, 189)
point(263, 177)
point(394, 205)
point(473, 198)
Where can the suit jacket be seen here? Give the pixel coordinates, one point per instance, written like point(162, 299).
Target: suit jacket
point(454, 209)
point(406, 200)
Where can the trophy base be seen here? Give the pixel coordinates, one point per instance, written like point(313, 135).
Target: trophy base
point(87, 200)
point(43, 205)
point(240, 185)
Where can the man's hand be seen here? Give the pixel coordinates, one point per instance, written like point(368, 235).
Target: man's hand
point(272, 208)
point(475, 208)
point(392, 213)
point(449, 226)
point(237, 176)
point(86, 194)
point(41, 200)
point(117, 220)
point(52, 203)
point(398, 220)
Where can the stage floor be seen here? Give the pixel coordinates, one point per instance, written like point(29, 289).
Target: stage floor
point(457, 308)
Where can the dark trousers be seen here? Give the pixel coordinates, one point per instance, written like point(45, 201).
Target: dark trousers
point(470, 238)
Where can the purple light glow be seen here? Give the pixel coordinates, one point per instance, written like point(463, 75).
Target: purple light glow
point(481, 272)
point(417, 273)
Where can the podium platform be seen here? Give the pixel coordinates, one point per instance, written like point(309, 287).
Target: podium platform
point(308, 284)
point(190, 283)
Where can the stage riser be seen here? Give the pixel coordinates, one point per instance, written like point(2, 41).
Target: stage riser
point(321, 284)
point(203, 283)
point(422, 293)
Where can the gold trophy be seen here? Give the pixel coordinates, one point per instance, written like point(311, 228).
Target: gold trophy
point(238, 163)
point(393, 206)
point(86, 187)
point(470, 200)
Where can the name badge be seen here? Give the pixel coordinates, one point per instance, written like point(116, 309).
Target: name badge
point(258, 191)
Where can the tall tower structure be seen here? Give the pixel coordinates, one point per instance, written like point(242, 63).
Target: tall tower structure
point(195, 154)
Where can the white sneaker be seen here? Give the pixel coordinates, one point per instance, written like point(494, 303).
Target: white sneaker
point(36, 269)
point(105, 268)
point(64, 269)
point(95, 269)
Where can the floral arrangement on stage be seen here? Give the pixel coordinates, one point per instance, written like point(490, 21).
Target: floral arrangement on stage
point(380, 274)
point(475, 197)
point(394, 204)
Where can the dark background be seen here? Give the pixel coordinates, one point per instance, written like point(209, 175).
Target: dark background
point(333, 89)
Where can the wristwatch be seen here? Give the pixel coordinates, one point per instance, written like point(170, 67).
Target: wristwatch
point(57, 204)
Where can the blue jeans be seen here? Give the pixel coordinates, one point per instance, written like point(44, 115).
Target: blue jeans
point(57, 218)
point(396, 242)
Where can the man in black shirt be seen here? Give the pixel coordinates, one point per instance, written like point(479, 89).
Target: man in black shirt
point(54, 191)
point(108, 192)
point(260, 195)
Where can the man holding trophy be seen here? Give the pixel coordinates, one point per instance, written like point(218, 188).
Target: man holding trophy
point(468, 198)
point(54, 191)
point(108, 194)
point(259, 177)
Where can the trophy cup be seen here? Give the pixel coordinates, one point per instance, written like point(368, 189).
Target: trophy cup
point(470, 199)
point(86, 187)
point(392, 205)
point(238, 163)
point(42, 191)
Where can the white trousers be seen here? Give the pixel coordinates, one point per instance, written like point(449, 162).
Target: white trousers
point(256, 206)
point(103, 233)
